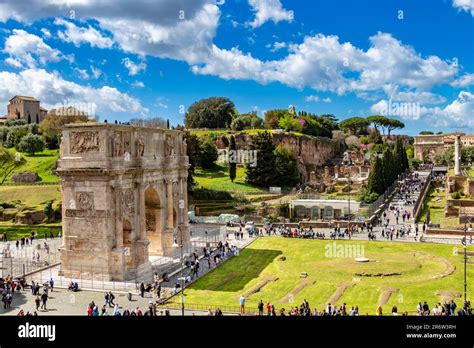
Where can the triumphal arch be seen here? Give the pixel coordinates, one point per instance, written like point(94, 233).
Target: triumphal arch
point(124, 198)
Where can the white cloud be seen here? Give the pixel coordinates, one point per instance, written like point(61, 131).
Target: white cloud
point(276, 46)
point(189, 39)
point(25, 49)
point(266, 10)
point(46, 33)
point(465, 5)
point(312, 98)
point(78, 35)
point(138, 84)
point(96, 72)
point(13, 62)
point(459, 113)
point(83, 74)
point(324, 63)
point(316, 98)
point(133, 68)
point(319, 62)
point(52, 89)
point(412, 95)
point(465, 80)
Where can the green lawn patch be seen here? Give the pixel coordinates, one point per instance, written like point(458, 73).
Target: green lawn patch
point(30, 196)
point(42, 163)
point(218, 179)
point(417, 270)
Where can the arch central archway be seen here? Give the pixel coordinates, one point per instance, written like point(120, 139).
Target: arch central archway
point(153, 221)
point(127, 241)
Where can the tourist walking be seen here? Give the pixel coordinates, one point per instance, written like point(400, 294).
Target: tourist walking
point(242, 304)
point(44, 299)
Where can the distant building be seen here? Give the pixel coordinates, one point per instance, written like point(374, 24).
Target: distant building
point(429, 146)
point(24, 108)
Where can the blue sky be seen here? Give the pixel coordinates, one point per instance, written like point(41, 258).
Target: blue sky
point(127, 59)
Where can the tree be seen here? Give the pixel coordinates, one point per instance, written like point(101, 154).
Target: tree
point(8, 163)
point(426, 133)
point(15, 133)
point(232, 164)
point(262, 173)
point(272, 117)
point(51, 126)
point(375, 182)
point(154, 122)
point(193, 149)
point(393, 124)
point(246, 121)
point(285, 167)
point(366, 196)
point(377, 121)
point(355, 125)
point(208, 154)
point(290, 123)
point(30, 144)
point(388, 168)
point(215, 112)
point(375, 137)
point(401, 156)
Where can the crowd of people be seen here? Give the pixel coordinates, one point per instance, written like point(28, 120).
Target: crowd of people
point(268, 309)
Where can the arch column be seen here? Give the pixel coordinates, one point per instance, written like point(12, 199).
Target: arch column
point(169, 204)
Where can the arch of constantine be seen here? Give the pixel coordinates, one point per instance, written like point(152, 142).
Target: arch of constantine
point(124, 194)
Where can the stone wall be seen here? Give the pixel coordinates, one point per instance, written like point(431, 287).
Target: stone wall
point(312, 152)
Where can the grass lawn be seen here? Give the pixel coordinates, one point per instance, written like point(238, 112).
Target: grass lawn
point(435, 202)
point(218, 179)
point(42, 163)
point(423, 270)
point(30, 196)
point(14, 233)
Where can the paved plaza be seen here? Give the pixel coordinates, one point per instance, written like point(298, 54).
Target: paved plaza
point(63, 302)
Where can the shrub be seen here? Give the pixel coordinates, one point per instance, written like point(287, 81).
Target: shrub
point(30, 144)
point(208, 155)
point(212, 195)
point(456, 195)
point(367, 197)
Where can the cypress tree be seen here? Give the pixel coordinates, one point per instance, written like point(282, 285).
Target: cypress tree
point(262, 173)
point(232, 164)
point(376, 183)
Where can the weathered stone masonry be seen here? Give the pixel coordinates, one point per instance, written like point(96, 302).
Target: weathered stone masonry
point(124, 194)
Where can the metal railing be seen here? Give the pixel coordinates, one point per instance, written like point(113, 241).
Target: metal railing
point(200, 307)
point(97, 277)
point(27, 258)
point(418, 208)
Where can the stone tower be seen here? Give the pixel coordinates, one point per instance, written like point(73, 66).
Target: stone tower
point(124, 194)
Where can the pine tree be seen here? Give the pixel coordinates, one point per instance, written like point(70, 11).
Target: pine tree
point(232, 164)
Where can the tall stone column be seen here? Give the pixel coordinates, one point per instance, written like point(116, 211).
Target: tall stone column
point(141, 211)
point(457, 155)
point(169, 204)
point(117, 192)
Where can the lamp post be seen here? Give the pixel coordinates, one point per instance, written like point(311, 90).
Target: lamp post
point(465, 262)
point(349, 207)
point(181, 205)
